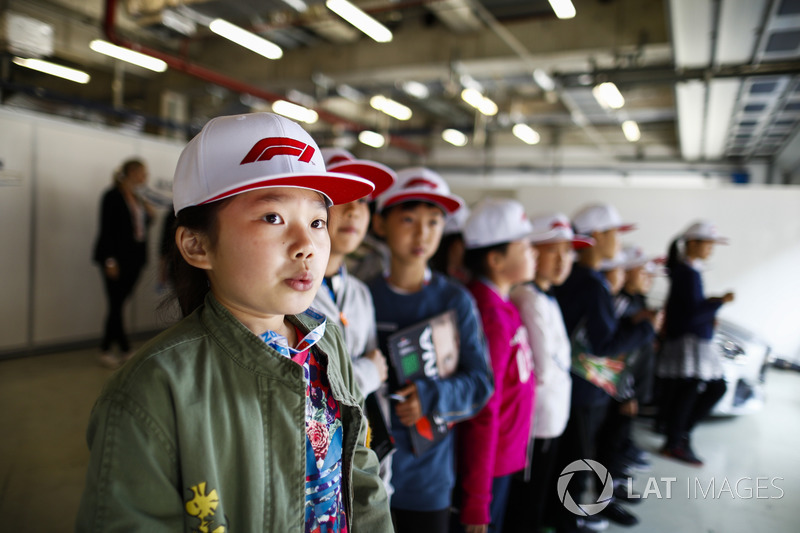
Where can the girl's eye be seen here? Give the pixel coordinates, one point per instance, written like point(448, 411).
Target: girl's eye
point(319, 224)
point(273, 218)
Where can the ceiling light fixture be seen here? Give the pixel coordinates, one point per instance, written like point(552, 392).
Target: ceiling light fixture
point(125, 54)
point(631, 130)
point(608, 96)
point(71, 74)
point(483, 104)
point(371, 138)
point(351, 93)
point(543, 80)
point(390, 107)
point(178, 22)
point(416, 89)
point(295, 112)
point(360, 20)
point(526, 134)
point(563, 8)
point(454, 137)
point(247, 39)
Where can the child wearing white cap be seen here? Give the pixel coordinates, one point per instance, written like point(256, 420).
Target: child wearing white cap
point(588, 309)
point(555, 243)
point(244, 416)
point(410, 218)
point(689, 366)
point(493, 445)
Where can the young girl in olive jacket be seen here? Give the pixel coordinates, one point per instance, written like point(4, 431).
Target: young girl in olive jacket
point(245, 415)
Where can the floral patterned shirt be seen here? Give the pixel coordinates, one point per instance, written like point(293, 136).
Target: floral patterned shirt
point(325, 511)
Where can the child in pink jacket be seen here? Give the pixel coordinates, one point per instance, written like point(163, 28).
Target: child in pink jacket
point(493, 444)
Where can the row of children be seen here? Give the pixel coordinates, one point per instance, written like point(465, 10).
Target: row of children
point(248, 414)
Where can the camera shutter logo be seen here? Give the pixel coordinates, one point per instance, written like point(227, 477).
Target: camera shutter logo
point(603, 499)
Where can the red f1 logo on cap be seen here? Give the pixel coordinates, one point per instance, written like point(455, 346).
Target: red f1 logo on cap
point(420, 182)
point(266, 149)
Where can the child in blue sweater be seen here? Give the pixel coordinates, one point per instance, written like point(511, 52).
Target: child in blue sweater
point(410, 217)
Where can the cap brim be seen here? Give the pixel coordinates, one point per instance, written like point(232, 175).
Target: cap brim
point(380, 175)
point(337, 188)
point(448, 203)
point(626, 227)
point(580, 242)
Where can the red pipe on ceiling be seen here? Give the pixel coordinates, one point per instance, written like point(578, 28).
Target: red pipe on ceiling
point(211, 76)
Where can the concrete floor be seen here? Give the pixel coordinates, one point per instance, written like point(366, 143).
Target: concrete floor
point(46, 401)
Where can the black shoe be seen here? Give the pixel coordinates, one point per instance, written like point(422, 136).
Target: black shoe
point(617, 513)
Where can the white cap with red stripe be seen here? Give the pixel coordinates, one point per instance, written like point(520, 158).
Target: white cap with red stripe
point(599, 217)
point(340, 160)
point(419, 184)
point(704, 230)
point(556, 228)
point(240, 153)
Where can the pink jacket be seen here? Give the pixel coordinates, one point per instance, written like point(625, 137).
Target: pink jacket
point(494, 443)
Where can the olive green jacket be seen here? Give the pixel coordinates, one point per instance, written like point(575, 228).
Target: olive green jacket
point(204, 430)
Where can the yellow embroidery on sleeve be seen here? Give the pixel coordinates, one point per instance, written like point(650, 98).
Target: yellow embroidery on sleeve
point(203, 506)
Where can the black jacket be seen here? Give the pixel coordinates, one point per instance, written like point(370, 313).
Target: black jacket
point(116, 236)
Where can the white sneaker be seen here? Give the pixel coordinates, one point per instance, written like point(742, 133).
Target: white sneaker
point(109, 360)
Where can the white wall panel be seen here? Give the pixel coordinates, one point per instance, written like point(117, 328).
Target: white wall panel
point(16, 186)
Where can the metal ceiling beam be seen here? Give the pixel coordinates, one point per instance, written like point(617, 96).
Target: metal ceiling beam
point(205, 74)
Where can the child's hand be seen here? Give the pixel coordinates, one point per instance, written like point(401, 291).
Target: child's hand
point(476, 528)
point(410, 410)
point(727, 297)
point(629, 408)
point(379, 361)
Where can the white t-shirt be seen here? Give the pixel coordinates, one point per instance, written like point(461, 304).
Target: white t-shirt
point(551, 358)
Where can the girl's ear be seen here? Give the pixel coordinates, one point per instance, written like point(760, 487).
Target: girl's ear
point(378, 225)
point(193, 247)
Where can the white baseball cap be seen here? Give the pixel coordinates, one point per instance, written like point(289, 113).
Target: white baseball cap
point(496, 221)
point(556, 228)
point(340, 160)
point(455, 222)
point(422, 184)
point(599, 217)
point(634, 256)
point(618, 261)
point(240, 153)
point(703, 230)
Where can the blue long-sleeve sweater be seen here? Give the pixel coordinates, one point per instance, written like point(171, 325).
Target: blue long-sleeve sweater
point(585, 300)
point(687, 310)
point(424, 483)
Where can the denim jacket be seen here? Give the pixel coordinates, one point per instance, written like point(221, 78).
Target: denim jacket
point(204, 430)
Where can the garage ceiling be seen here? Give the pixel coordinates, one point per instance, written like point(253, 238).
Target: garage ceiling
point(706, 81)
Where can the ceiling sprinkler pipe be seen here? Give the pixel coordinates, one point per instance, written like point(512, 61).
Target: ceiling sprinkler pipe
point(211, 76)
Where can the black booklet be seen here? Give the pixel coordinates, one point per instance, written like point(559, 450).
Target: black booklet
point(428, 349)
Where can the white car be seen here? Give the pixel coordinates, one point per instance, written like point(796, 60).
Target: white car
point(745, 358)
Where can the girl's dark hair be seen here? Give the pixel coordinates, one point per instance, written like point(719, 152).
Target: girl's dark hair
point(439, 260)
point(475, 260)
point(190, 284)
point(674, 254)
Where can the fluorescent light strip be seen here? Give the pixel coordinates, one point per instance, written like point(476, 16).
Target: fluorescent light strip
point(390, 107)
point(125, 54)
point(295, 112)
point(608, 96)
point(526, 134)
point(416, 89)
point(360, 20)
point(483, 104)
point(631, 131)
point(371, 138)
point(454, 137)
point(563, 8)
point(71, 74)
point(247, 39)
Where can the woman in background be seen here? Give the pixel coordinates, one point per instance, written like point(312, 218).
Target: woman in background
point(121, 252)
